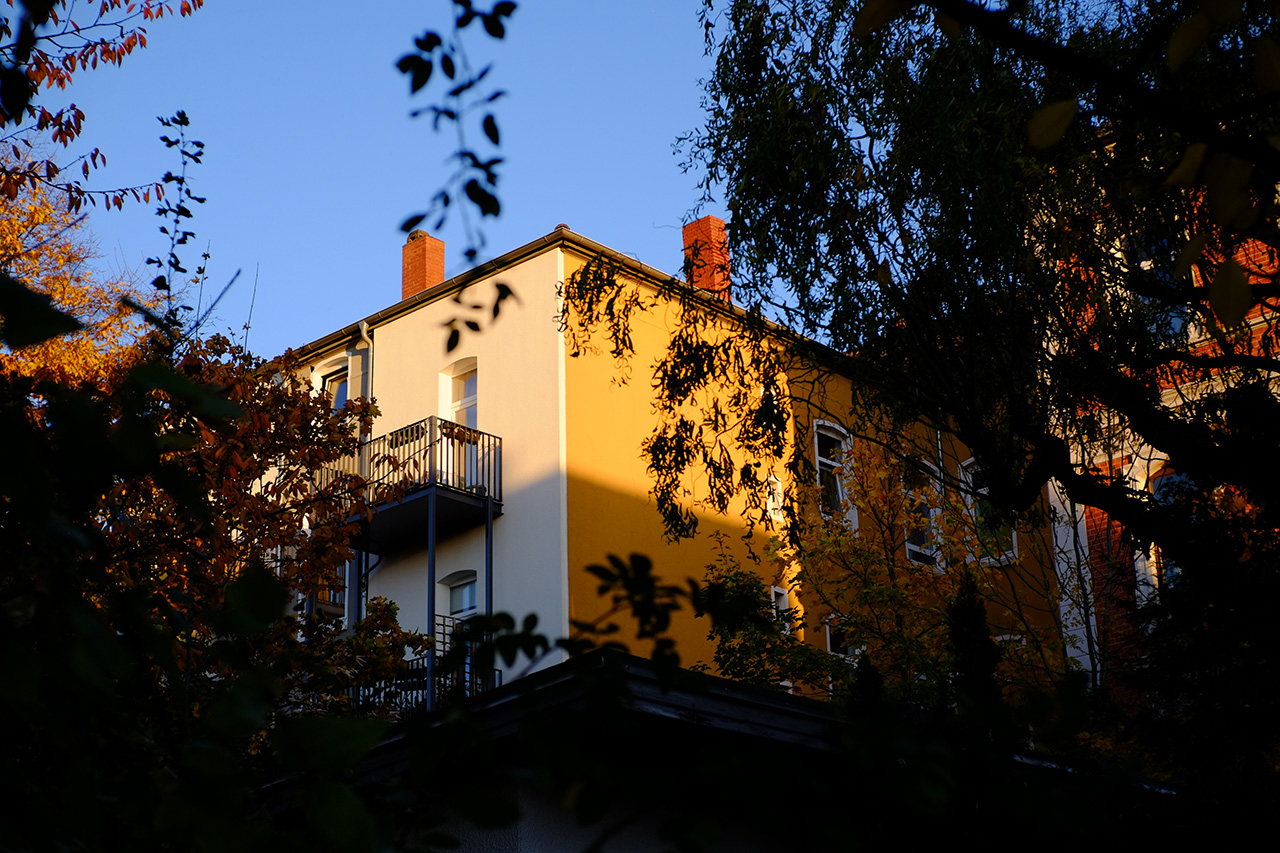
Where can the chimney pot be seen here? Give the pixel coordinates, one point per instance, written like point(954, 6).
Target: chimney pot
point(422, 263)
point(706, 256)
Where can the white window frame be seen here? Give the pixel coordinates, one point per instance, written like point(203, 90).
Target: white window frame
point(834, 466)
point(459, 404)
point(324, 373)
point(460, 580)
point(971, 497)
point(339, 377)
point(929, 551)
point(447, 405)
point(781, 604)
point(774, 502)
point(850, 653)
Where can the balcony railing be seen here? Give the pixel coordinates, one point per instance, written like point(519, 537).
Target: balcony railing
point(411, 691)
point(430, 452)
point(464, 681)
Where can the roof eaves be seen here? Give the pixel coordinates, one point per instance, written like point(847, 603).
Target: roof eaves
point(562, 237)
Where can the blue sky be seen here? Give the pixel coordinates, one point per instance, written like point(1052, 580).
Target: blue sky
point(312, 161)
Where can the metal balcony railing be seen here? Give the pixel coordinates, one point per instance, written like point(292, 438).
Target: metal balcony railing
point(410, 691)
point(430, 452)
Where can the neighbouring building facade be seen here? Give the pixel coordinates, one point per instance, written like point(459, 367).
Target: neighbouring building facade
point(1106, 575)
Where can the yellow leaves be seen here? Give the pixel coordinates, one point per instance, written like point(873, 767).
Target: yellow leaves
point(41, 246)
point(1223, 11)
point(1190, 254)
point(1230, 295)
point(883, 274)
point(1186, 39)
point(1050, 122)
point(1184, 174)
point(1266, 69)
point(1230, 201)
point(948, 25)
point(1227, 178)
point(877, 13)
point(1191, 33)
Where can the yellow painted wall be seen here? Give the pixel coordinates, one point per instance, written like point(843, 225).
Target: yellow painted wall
point(609, 507)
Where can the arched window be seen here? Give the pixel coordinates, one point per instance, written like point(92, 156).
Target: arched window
point(460, 392)
point(330, 378)
point(461, 588)
point(335, 386)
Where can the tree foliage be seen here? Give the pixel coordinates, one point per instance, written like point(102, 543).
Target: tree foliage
point(756, 641)
point(471, 188)
point(41, 243)
point(162, 540)
point(885, 566)
point(45, 43)
point(169, 520)
point(1050, 231)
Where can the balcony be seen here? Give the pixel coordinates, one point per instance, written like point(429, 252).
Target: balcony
point(432, 472)
point(425, 684)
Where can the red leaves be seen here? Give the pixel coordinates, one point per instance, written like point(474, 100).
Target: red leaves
point(62, 48)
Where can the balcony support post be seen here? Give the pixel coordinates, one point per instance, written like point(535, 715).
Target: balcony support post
point(356, 598)
point(431, 597)
point(488, 567)
point(488, 555)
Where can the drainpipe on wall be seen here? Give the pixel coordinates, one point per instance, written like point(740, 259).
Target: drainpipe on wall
point(363, 570)
point(368, 369)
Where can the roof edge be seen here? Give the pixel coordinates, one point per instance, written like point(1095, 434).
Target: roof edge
point(562, 237)
point(566, 238)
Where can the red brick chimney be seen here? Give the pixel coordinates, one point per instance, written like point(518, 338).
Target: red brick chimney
point(706, 256)
point(423, 264)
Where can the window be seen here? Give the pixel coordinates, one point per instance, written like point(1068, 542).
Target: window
point(994, 532)
point(332, 598)
point(463, 409)
point(462, 599)
point(466, 450)
point(831, 442)
point(335, 386)
point(782, 608)
point(1169, 487)
point(920, 487)
point(920, 545)
point(774, 503)
point(462, 455)
point(839, 641)
point(461, 587)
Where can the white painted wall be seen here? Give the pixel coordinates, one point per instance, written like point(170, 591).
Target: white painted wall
point(520, 398)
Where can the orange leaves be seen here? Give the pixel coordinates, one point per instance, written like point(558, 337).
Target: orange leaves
point(40, 244)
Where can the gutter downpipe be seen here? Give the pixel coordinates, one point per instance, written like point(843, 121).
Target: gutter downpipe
point(362, 564)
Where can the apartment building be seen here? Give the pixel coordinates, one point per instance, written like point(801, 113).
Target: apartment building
point(522, 461)
point(514, 433)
